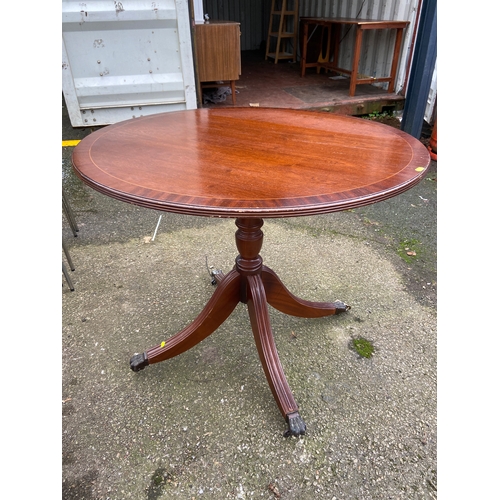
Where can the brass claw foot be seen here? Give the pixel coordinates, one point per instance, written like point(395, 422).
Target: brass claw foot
point(296, 426)
point(341, 307)
point(138, 362)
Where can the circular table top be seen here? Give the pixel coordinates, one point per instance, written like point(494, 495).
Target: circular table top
point(250, 162)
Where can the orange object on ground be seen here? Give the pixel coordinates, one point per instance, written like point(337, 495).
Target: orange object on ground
point(433, 143)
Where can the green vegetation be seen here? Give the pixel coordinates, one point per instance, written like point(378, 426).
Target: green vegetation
point(377, 114)
point(408, 249)
point(363, 347)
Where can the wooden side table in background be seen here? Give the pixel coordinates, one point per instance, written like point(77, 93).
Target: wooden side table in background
point(333, 44)
point(218, 54)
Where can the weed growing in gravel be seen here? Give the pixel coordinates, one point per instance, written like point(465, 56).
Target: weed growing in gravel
point(363, 347)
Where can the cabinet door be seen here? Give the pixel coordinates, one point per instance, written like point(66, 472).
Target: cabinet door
point(218, 51)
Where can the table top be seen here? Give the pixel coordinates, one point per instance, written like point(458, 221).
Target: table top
point(250, 162)
point(394, 23)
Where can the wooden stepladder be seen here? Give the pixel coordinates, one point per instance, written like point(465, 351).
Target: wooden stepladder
point(282, 36)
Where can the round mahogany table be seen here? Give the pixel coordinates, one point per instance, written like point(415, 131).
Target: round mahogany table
point(249, 164)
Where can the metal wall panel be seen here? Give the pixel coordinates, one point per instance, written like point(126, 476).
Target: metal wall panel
point(126, 59)
point(377, 47)
point(253, 16)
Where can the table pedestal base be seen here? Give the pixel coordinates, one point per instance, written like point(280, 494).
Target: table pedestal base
point(256, 285)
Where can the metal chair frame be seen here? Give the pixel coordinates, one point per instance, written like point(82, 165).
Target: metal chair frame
point(74, 228)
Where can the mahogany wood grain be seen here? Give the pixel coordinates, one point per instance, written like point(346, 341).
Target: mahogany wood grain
point(283, 300)
point(217, 310)
point(266, 347)
point(249, 164)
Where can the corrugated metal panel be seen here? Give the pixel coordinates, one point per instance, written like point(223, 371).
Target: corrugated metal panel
point(253, 16)
point(378, 45)
point(126, 59)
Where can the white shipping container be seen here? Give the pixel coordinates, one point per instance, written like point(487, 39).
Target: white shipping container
point(126, 59)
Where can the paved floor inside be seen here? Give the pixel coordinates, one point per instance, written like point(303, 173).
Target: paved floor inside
point(264, 83)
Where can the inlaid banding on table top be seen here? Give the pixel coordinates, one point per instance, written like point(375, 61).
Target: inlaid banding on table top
point(245, 160)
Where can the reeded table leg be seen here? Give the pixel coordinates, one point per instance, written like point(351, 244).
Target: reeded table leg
point(263, 335)
point(283, 300)
point(217, 310)
point(255, 285)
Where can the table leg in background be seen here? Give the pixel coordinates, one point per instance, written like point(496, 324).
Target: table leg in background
point(395, 59)
point(355, 61)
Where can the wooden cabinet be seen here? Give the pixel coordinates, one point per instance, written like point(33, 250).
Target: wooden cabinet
point(218, 54)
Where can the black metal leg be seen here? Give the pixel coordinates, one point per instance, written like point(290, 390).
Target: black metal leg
point(68, 279)
point(69, 214)
point(66, 252)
